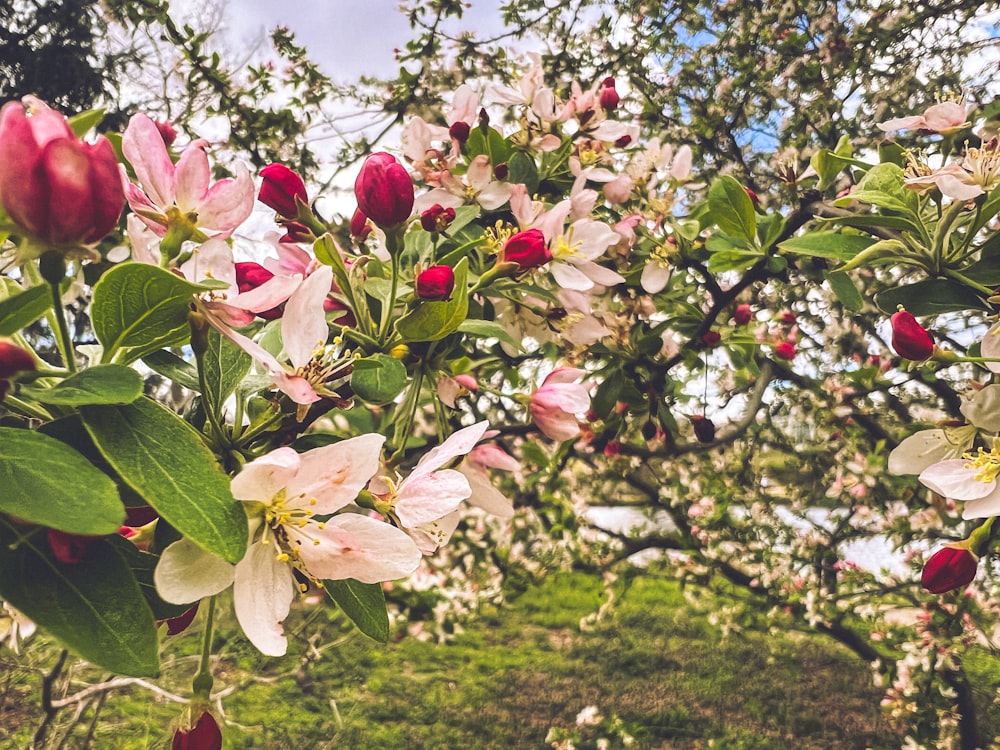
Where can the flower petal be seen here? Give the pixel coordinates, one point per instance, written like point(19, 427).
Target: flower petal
point(334, 474)
point(458, 444)
point(303, 326)
point(952, 479)
point(426, 498)
point(187, 573)
point(265, 477)
point(263, 591)
point(359, 547)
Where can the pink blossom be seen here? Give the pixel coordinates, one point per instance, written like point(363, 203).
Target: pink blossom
point(557, 401)
point(945, 118)
point(217, 208)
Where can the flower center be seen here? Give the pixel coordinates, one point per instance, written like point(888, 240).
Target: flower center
point(988, 463)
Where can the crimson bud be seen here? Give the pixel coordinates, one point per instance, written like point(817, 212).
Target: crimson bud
point(69, 549)
point(460, 131)
point(13, 361)
point(384, 190)
point(704, 428)
point(743, 315)
point(910, 340)
point(527, 249)
point(608, 98)
point(785, 350)
point(279, 188)
point(204, 735)
point(949, 568)
point(56, 187)
point(437, 282)
point(359, 225)
point(437, 218)
point(711, 339)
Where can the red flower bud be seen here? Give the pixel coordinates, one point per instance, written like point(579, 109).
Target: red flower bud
point(167, 131)
point(359, 225)
point(501, 171)
point(608, 98)
point(910, 340)
point(460, 131)
point(384, 190)
point(279, 188)
point(743, 315)
point(204, 735)
point(704, 429)
point(785, 350)
point(527, 249)
point(711, 339)
point(180, 623)
point(56, 187)
point(437, 218)
point(437, 282)
point(612, 449)
point(13, 360)
point(754, 198)
point(249, 276)
point(69, 549)
point(623, 141)
point(296, 232)
point(788, 318)
point(949, 568)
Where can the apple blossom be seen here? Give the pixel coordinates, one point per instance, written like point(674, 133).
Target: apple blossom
point(183, 192)
point(945, 117)
point(287, 495)
point(424, 503)
point(575, 247)
point(971, 479)
point(557, 401)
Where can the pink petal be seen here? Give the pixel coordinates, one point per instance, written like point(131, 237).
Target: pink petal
point(228, 203)
point(143, 146)
point(334, 474)
point(356, 546)
point(193, 176)
point(457, 444)
point(426, 498)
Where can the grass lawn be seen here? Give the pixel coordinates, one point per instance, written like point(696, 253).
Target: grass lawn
point(654, 665)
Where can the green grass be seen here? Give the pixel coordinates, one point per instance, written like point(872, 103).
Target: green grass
point(654, 662)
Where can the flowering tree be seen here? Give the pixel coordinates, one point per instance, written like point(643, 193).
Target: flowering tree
point(531, 285)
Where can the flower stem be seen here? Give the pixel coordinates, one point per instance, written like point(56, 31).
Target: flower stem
point(203, 680)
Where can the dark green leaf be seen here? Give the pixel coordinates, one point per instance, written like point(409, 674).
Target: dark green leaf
point(930, 297)
point(45, 481)
point(225, 366)
point(23, 308)
point(103, 384)
point(94, 607)
point(488, 329)
point(173, 368)
point(364, 603)
point(523, 170)
point(140, 306)
point(731, 209)
point(164, 459)
point(845, 290)
point(826, 245)
point(378, 379)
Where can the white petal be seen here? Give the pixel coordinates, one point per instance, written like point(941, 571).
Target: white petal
point(427, 498)
point(304, 326)
point(951, 479)
point(991, 348)
point(186, 573)
point(984, 507)
point(654, 277)
point(362, 548)
point(262, 479)
point(928, 447)
point(485, 495)
point(262, 597)
point(601, 275)
point(983, 409)
point(334, 474)
point(570, 277)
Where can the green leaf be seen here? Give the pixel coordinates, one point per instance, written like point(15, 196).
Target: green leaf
point(24, 308)
point(164, 459)
point(608, 393)
point(827, 245)
point(488, 329)
point(732, 260)
point(140, 306)
point(430, 321)
point(731, 209)
point(930, 297)
point(45, 481)
point(173, 368)
point(364, 603)
point(523, 170)
point(845, 290)
point(378, 379)
point(103, 384)
point(491, 143)
point(225, 366)
point(94, 607)
point(84, 122)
